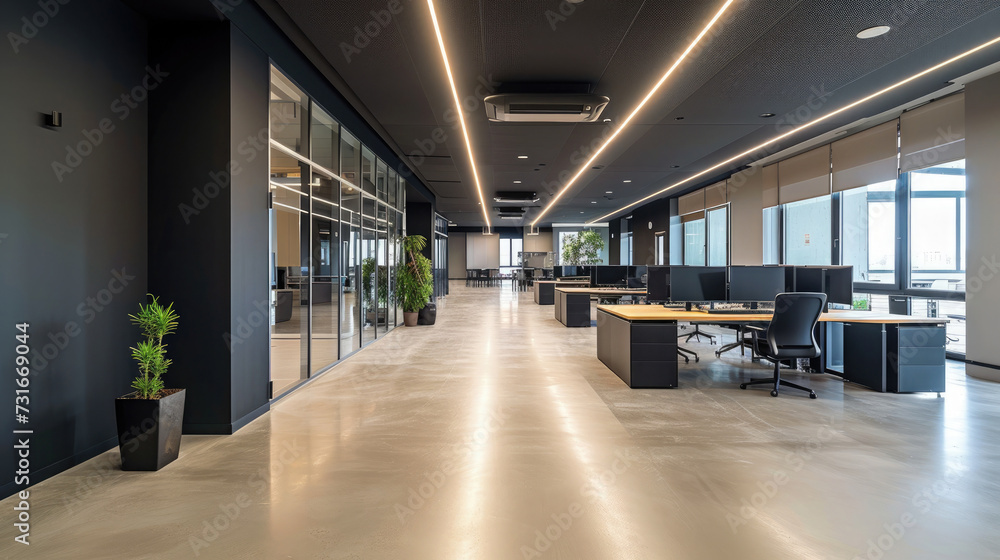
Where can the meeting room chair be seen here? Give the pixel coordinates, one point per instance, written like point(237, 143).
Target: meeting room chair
point(789, 336)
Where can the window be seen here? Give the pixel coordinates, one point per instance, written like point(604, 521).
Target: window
point(772, 235)
point(626, 248)
point(509, 254)
point(937, 227)
point(718, 237)
point(694, 242)
point(808, 238)
point(868, 232)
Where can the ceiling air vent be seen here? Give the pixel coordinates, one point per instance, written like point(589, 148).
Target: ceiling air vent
point(516, 197)
point(545, 107)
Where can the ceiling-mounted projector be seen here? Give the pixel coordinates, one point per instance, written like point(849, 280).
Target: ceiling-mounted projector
point(545, 107)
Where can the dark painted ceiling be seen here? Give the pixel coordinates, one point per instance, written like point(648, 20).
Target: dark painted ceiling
point(798, 59)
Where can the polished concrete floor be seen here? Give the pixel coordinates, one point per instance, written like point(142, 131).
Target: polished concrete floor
point(497, 434)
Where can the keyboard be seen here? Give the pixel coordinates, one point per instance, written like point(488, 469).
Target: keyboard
point(739, 311)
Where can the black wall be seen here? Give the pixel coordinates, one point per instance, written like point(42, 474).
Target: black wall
point(643, 237)
point(615, 237)
point(63, 244)
point(208, 217)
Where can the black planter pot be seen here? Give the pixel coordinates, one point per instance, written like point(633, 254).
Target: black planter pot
point(427, 315)
point(149, 430)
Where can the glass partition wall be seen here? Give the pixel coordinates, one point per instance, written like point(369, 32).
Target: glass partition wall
point(335, 218)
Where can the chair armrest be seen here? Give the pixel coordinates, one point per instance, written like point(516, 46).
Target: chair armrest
point(755, 329)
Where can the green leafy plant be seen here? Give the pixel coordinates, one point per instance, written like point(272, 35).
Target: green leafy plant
point(583, 248)
point(414, 283)
point(155, 321)
point(368, 270)
point(861, 304)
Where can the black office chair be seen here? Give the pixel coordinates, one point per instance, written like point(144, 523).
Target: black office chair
point(789, 336)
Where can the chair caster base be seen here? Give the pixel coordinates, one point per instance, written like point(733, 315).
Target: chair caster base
point(743, 385)
point(812, 395)
point(696, 358)
point(774, 392)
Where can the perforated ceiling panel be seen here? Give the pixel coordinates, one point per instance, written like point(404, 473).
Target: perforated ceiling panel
point(794, 58)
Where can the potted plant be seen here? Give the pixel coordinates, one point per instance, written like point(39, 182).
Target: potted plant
point(150, 419)
point(375, 308)
point(414, 284)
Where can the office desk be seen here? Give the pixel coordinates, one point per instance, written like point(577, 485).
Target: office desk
point(884, 352)
point(573, 304)
point(545, 290)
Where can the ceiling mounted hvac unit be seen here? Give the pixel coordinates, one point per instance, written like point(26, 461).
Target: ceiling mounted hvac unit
point(516, 197)
point(545, 107)
point(509, 212)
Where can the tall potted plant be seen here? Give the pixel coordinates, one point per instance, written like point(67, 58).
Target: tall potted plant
point(583, 248)
point(414, 284)
point(150, 419)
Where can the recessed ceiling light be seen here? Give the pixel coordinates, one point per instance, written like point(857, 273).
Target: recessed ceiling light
point(607, 120)
point(607, 192)
point(635, 111)
point(627, 181)
point(458, 106)
point(581, 212)
point(522, 157)
point(873, 32)
point(766, 115)
point(517, 182)
point(806, 125)
point(593, 202)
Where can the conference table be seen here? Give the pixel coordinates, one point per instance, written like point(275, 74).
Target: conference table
point(572, 305)
point(884, 352)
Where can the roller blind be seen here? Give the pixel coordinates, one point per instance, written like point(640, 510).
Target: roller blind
point(691, 202)
point(865, 158)
point(804, 176)
point(715, 195)
point(694, 216)
point(769, 189)
point(933, 134)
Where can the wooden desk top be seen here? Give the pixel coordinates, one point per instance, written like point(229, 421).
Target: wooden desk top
point(603, 291)
point(660, 313)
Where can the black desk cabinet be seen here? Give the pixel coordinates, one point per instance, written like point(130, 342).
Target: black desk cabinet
point(895, 358)
point(572, 309)
point(642, 353)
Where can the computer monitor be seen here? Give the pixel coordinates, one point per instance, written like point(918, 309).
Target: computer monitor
point(810, 279)
point(658, 283)
point(755, 283)
point(614, 276)
point(637, 271)
point(698, 283)
point(839, 282)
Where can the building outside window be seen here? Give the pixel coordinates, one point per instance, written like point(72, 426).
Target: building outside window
point(808, 236)
point(869, 232)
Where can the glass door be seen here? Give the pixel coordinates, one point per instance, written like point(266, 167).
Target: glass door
point(289, 247)
point(382, 270)
point(350, 246)
point(369, 284)
point(325, 275)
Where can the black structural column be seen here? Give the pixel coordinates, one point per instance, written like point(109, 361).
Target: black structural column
point(208, 228)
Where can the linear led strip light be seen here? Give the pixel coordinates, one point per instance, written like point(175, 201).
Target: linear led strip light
point(458, 109)
point(805, 126)
point(634, 112)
